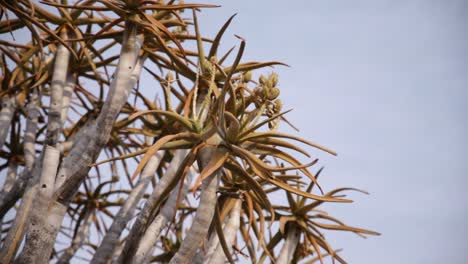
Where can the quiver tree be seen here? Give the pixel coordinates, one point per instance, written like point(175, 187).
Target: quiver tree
point(100, 167)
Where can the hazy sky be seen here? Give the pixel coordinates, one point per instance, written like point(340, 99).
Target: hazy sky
point(384, 83)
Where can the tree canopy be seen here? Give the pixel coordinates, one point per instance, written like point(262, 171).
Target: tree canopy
point(192, 167)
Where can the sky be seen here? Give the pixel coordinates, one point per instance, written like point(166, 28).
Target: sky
point(384, 83)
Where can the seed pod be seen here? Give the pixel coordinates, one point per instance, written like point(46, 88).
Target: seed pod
point(273, 79)
point(247, 76)
point(273, 93)
point(278, 105)
point(169, 77)
point(265, 92)
point(263, 80)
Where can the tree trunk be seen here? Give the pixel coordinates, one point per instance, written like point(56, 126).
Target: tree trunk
point(152, 234)
point(229, 230)
point(110, 241)
point(11, 175)
point(29, 145)
point(67, 95)
point(289, 246)
point(59, 78)
point(204, 214)
point(74, 167)
point(6, 114)
point(38, 228)
point(44, 215)
point(139, 227)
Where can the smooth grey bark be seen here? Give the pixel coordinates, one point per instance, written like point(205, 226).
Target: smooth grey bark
point(289, 246)
point(208, 198)
point(31, 130)
point(204, 214)
point(143, 219)
point(67, 95)
point(59, 78)
point(229, 230)
point(6, 114)
point(152, 234)
point(111, 240)
point(49, 170)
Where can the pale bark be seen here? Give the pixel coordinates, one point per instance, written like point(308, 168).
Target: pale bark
point(28, 181)
point(38, 227)
point(6, 114)
point(204, 214)
point(86, 148)
point(49, 170)
point(9, 183)
point(81, 235)
point(111, 239)
point(29, 143)
point(11, 176)
point(152, 234)
point(67, 95)
point(143, 220)
point(213, 243)
point(42, 232)
point(39, 232)
point(59, 78)
point(229, 230)
point(75, 166)
point(15, 234)
point(289, 246)
point(8, 199)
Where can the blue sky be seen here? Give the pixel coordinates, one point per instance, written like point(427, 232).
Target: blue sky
point(384, 83)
